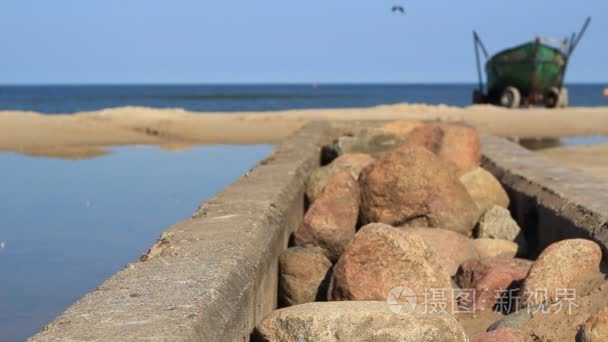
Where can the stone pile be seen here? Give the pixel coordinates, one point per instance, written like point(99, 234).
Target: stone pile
point(407, 207)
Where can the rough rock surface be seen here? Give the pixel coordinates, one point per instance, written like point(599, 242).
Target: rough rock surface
point(567, 264)
point(497, 223)
point(381, 258)
point(356, 321)
point(331, 220)
point(499, 335)
point(451, 248)
point(400, 127)
point(487, 248)
point(350, 162)
point(516, 320)
point(372, 142)
point(411, 183)
point(490, 277)
point(595, 328)
point(485, 189)
point(304, 276)
point(456, 142)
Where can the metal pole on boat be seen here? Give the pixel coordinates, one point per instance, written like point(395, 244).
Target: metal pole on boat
point(579, 36)
point(573, 43)
point(477, 44)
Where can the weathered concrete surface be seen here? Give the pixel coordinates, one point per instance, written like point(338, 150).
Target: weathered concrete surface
point(210, 278)
point(549, 201)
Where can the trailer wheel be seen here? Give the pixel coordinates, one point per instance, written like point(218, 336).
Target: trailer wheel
point(478, 97)
point(552, 98)
point(563, 98)
point(510, 98)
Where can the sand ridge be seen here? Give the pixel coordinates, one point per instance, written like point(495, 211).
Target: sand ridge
point(75, 134)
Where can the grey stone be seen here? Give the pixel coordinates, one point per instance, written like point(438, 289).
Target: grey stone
point(497, 223)
point(356, 321)
point(371, 142)
point(516, 320)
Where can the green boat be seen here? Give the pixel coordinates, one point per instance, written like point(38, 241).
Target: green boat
point(528, 74)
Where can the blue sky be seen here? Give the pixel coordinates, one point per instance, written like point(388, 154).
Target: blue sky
point(278, 41)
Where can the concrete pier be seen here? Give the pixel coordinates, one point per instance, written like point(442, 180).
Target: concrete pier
point(214, 276)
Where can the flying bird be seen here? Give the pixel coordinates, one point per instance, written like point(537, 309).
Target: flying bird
point(398, 8)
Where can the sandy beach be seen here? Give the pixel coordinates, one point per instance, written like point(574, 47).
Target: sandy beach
point(85, 134)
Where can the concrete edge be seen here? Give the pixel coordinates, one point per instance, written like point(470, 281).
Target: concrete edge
point(550, 201)
point(212, 277)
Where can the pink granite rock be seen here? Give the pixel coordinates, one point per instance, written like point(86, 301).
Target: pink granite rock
point(451, 248)
point(350, 162)
point(455, 142)
point(490, 277)
point(413, 184)
point(381, 258)
point(568, 264)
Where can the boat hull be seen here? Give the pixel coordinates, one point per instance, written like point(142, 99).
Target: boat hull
point(533, 68)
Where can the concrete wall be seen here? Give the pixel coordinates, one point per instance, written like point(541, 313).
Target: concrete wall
point(550, 201)
point(210, 278)
point(213, 277)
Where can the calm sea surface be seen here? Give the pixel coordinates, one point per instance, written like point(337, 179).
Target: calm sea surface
point(227, 98)
point(68, 225)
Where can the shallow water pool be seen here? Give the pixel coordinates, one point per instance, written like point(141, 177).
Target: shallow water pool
point(68, 225)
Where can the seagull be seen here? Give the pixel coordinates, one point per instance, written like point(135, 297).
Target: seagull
point(2, 245)
point(398, 8)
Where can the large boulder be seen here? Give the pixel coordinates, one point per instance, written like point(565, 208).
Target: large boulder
point(595, 328)
point(490, 278)
point(499, 335)
point(304, 275)
point(331, 220)
point(455, 142)
point(487, 248)
point(413, 184)
point(350, 162)
point(356, 321)
point(565, 265)
point(381, 258)
point(485, 189)
point(451, 248)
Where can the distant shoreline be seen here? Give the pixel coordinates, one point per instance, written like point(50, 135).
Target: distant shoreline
point(85, 134)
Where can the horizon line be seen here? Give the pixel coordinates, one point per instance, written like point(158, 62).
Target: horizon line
point(128, 84)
